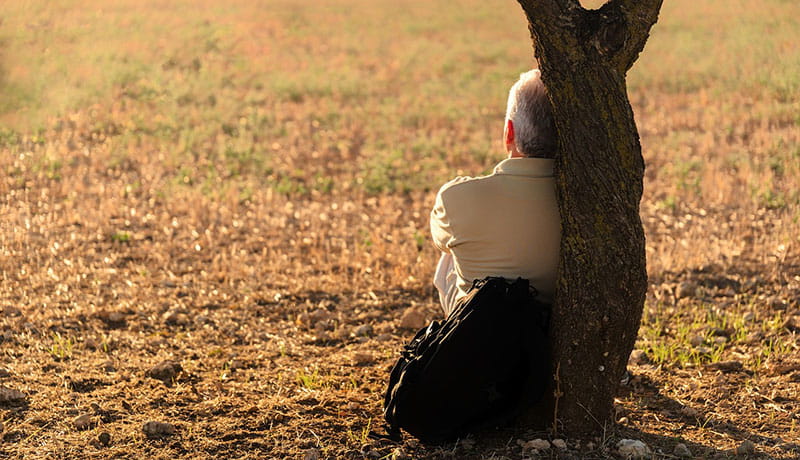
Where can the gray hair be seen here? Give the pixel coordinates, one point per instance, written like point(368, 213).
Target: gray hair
point(530, 110)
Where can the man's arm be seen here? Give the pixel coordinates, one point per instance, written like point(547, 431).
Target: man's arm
point(441, 230)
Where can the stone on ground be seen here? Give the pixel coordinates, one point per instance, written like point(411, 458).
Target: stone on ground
point(632, 449)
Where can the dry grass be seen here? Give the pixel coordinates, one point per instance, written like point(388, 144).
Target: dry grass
point(239, 188)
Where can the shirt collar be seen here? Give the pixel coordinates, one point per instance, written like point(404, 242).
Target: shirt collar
point(533, 167)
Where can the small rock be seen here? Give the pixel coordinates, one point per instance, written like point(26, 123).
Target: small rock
point(775, 302)
point(112, 319)
point(104, 438)
point(536, 444)
point(412, 318)
point(689, 411)
point(559, 444)
point(153, 429)
point(726, 366)
point(383, 337)
point(704, 350)
point(4, 373)
point(746, 447)
point(720, 340)
point(165, 371)
point(82, 422)
point(311, 454)
point(361, 358)
point(8, 310)
point(697, 340)
point(638, 357)
point(363, 330)
point(318, 315)
point(685, 289)
point(237, 364)
point(11, 396)
point(176, 319)
point(108, 366)
point(632, 448)
point(749, 316)
point(682, 451)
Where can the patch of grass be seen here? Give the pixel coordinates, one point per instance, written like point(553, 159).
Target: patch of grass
point(311, 380)
point(121, 237)
point(62, 347)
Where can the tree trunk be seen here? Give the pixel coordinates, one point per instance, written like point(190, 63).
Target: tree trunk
point(584, 56)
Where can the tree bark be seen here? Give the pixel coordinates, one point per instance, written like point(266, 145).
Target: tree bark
point(584, 56)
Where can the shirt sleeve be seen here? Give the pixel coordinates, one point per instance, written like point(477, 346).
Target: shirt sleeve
point(441, 230)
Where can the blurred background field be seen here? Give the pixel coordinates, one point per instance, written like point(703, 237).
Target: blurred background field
point(251, 162)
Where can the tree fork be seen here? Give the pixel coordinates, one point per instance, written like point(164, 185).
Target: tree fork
point(584, 56)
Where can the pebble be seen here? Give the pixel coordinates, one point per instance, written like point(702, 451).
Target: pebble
point(559, 444)
point(536, 444)
point(726, 366)
point(412, 318)
point(361, 358)
point(82, 422)
point(176, 319)
point(8, 310)
point(363, 330)
point(697, 340)
point(311, 454)
point(319, 314)
point(154, 429)
point(324, 325)
point(682, 451)
point(689, 411)
point(4, 373)
point(165, 371)
point(12, 396)
point(383, 337)
point(632, 449)
point(685, 289)
point(746, 447)
point(112, 319)
point(104, 438)
point(638, 357)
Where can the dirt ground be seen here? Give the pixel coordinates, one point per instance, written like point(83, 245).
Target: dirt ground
point(276, 353)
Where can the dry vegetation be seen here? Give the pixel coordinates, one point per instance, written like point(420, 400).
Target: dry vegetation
point(243, 189)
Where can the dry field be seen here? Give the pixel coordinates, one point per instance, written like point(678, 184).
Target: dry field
point(241, 189)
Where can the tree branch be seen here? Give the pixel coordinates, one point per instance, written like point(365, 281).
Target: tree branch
point(639, 17)
point(613, 35)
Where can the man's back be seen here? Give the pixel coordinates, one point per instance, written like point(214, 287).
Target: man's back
point(506, 224)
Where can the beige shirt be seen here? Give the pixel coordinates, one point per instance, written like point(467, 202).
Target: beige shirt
point(504, 224)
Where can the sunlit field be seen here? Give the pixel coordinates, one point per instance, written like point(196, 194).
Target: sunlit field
point(241, 189)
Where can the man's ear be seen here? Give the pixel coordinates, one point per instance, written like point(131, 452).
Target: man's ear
point(509, 133)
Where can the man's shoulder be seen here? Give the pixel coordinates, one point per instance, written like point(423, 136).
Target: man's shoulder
point(463, 185)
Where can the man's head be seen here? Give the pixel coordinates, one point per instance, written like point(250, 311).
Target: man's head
point(530, 130)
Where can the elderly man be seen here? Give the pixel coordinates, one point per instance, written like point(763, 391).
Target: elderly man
point(507, 223)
